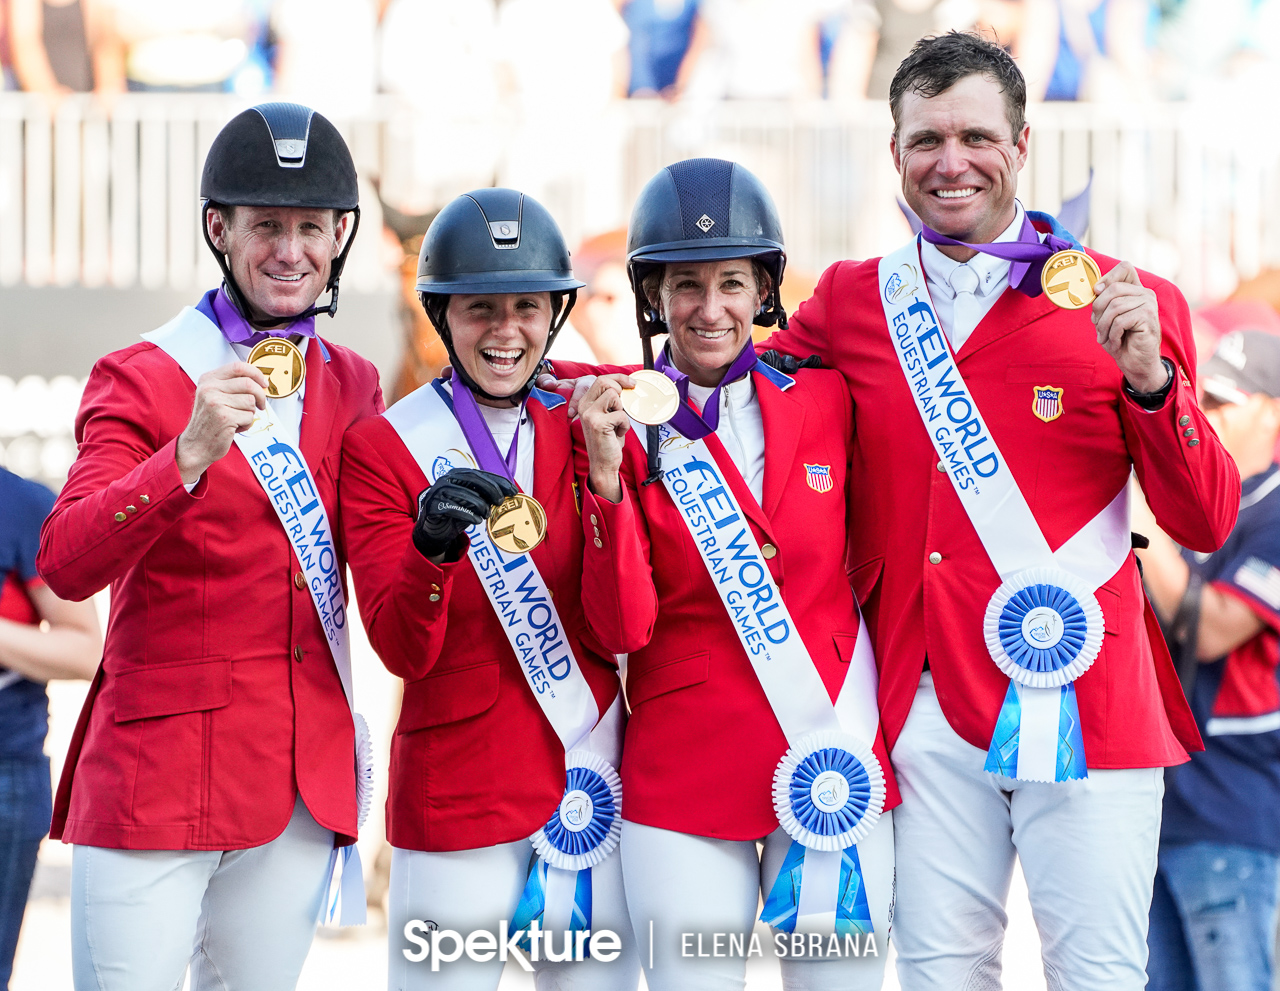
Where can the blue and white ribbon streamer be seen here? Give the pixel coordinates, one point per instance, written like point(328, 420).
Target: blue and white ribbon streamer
point(782, 907)
point(540, 891)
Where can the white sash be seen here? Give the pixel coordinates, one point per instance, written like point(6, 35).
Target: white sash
point(197, 345)
point(731, 555)
point(515, 588)
point(980, 474)
point(722, 533)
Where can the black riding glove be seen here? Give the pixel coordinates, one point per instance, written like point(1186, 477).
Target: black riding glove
point(789, 364)
point(458, 500)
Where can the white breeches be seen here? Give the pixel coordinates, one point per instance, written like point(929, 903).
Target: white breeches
point(1087, 848)
point(244, 919)
point(684, 886)
point(471, 890)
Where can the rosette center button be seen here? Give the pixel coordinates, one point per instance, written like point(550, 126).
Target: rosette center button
point(1042, 627)
point(576, 811)
point(829, 791)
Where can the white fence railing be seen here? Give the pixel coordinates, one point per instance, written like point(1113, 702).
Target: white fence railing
point(94, 197)
point(36, 420)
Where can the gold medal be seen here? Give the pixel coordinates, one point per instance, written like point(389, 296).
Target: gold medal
point(1068, 278)
point(654, 400)
point(283, 365)
point(518, 524)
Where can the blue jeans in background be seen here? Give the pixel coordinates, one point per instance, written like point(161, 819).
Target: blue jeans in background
point(1213, 919)
point(26, 805)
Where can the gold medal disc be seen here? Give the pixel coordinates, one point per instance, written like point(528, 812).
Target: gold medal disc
point(1068, 278)
point(283, 365)
point(518, 524)
point(654, 400)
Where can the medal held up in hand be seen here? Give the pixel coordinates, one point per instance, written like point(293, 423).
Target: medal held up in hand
point(654, 400)
point(517, 525)
point(1068, 278)
point(283, 365)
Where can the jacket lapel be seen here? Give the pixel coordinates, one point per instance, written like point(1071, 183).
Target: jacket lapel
point(552, 461)
point(319, 405)
point(783, 425)
point(741, 492)
point(1012, 312)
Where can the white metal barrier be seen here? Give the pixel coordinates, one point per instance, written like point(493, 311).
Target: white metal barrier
point(37, 417)
point(94, 197)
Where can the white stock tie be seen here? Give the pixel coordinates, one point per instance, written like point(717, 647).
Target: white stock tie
point(964, 310)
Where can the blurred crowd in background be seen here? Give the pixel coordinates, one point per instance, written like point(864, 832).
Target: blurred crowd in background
point(531, 93)
point(485, 51)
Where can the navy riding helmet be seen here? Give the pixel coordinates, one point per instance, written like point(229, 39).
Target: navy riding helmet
point(704, 209)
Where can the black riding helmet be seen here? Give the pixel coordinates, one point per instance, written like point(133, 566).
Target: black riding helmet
point(494, 241)
point(280, 154)
point(704, 209)
point(701, 210)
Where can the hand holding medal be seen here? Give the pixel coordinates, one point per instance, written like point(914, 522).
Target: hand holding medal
point(457, 501)
point(606, 419)
point(1127, 317)
point(226, 401)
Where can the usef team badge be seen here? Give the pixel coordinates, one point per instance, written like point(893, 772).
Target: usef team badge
point(1046, 402)
point(819, 477)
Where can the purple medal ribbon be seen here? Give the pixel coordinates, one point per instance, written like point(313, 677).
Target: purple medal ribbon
point(237, 330)
point(687, 420)
point(1027, 254)
point(480, 437)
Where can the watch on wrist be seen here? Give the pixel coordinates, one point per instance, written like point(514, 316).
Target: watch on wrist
point(1153, 400)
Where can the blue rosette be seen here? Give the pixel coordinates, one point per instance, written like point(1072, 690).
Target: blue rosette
point(1043, 627)
point(828, 790)
point(586, 825)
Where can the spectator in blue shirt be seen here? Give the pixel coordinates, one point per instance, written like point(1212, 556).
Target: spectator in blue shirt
point(31, 654)
point(660, 33)
point(1213, 914)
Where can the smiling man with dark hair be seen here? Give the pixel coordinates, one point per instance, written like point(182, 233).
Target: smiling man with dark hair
point(1025, 689)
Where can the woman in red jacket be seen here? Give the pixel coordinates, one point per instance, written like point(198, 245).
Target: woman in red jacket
point(503, 811)
point(715, 557)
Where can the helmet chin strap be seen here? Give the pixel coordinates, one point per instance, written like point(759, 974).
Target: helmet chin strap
point(238, 299)
point(437, 303)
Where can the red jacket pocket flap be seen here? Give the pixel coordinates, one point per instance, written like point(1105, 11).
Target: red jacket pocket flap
point(1110, 601)
point(170, 689)
point(863, 578)
point(844, 646)
point(448, 696)
point(667, 677)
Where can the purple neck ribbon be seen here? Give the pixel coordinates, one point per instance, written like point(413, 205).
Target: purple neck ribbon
point(688, 421)
point(237, 330)
point(1027, 254)
point(480, 437)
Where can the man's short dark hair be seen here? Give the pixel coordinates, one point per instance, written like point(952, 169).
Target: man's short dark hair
point(938, 63)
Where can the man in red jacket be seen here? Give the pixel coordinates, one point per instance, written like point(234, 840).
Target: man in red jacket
point(1025, 690)
point(211, 785)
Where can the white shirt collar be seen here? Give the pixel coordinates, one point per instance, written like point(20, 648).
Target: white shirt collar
point(993, 272)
